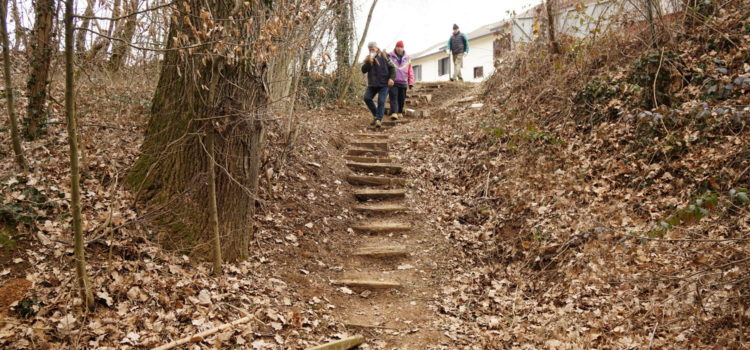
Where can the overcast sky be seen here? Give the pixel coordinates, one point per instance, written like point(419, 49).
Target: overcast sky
point(423, 23)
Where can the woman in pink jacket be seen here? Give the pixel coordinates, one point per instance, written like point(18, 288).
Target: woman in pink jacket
point(404, 79)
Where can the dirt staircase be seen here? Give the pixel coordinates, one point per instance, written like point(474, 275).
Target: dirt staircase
point(383, 292)
point(381, 195)
point(418, 100)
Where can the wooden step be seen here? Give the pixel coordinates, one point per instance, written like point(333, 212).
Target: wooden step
point(381, 129)
point(373, 135)
point(366, 152)
point(342, 344)
point(371, 284)
point(382, 227)
point(367, 180)
point(380, 208)
point(394, 122)
point(381, 251)
point(368, 159)
point(366, 194)
point(371, 144)
point(384, 168)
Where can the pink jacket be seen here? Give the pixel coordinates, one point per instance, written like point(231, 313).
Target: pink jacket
point(404, 71)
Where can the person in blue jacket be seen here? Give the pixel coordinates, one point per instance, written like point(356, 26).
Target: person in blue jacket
point(458, 45)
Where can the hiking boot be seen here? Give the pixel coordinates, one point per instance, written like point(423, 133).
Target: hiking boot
point(378, 124)
point(394, 116)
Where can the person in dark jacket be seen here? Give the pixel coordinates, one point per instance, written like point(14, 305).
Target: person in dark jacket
point(458, 45)
point(380, 74)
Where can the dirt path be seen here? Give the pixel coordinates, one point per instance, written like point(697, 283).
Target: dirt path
point(392, 261)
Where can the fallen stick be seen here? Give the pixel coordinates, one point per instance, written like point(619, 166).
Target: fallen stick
point(343, 344)
point(200, 336)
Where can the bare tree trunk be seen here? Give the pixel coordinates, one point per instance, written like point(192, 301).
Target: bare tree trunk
point(81, 35)
point(345, 86)
point(172, 160)
point(344, 38)
point(125, 32)
point(651, 22)
point(291, 123)
point(75, 177)
point(280, 81)
point(40, 54)
point(554, 46)
point(15, 138)
point(115, 14)
point(101, 44)
point(212, 209)
point(20, 32)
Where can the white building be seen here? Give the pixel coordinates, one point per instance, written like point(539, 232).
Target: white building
point(434, 64)
point(574, 18)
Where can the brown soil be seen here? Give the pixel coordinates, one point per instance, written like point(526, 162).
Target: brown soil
point(12, 291)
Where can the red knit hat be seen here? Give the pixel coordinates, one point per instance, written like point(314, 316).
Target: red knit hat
point(400, 44)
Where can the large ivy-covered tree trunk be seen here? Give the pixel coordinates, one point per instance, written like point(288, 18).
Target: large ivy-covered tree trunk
point(40, 54)
point(213, 79)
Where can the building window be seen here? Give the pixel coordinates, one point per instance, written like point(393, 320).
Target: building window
point(444, 66)
point(417, 72)
point(478, 72)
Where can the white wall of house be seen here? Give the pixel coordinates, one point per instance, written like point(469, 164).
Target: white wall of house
point(429, 67)
point(584, 18)
point(480, 55)
point(577, 19)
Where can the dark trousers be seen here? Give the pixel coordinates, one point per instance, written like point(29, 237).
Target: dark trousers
point(370, 93)
point(397, 98)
